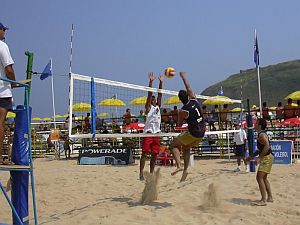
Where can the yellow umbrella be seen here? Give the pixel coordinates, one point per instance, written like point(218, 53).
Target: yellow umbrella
point(295, 96)
point(237, 109)
point(112, 102)
point(172, 101)
point(273, 108)
point(36, 119)
point(294, 104)
point(10, 115)
point(139, 101)
point(218, 100)
point(103, 114)
point(47, 119)
point(58, 116)
point(81, 107)
point(66, 115)
point(79, 118)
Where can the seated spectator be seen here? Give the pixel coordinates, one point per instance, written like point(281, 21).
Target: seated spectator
point(50, 144)
point(87, 124)
point(205, 113)
point(279, 112)
point(141, 117)
point(165, 119)
point(214, 116)
point(289, 109)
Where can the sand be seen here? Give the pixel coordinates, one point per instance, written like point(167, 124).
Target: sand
point(68, 193)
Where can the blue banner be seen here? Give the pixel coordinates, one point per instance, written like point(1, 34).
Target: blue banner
point(282, 151)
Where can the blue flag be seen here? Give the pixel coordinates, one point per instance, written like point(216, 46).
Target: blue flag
point(220, 91)
point(47, 71)
point(256, 51)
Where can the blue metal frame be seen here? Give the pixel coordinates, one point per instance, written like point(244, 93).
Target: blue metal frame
point(30, 169)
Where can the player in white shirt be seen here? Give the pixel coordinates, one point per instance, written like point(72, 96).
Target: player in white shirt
point(151, 145)
point(7, 72)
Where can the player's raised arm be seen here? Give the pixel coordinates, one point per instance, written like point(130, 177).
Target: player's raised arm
point(159, 95)
point(149, 97)
point(187, 85)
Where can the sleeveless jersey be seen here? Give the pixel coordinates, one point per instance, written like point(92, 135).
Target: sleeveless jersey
point(195, 121)
point(153, 120)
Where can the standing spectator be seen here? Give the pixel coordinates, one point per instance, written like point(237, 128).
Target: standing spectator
point(165, 119)
point(223, 116)
point(127, 117)
point(6, 71)
point(87, 124)
point(67, 147)
point(279, 112)
point(297, 109)
point(214, 116)
point(151, 145)
point(265, 113)
point(174, 115)
point(240, 140)
point(289, 109)
point(205, 113)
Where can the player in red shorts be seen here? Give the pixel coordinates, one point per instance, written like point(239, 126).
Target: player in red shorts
point(151, 145)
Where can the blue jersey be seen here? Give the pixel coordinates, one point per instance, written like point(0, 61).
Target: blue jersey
point(195, 121)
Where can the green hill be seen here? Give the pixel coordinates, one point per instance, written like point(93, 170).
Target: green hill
point(277, 81)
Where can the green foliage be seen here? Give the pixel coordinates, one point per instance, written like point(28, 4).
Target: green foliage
point(277, 81)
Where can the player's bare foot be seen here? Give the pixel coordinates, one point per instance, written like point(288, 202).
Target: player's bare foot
point(260, 203)
point(270, 199)
point(184, 175)
point(142, 176)
point(176, 171)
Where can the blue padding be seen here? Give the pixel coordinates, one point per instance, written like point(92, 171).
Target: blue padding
point(20, 156)
point(93, 109)
point(92, 161)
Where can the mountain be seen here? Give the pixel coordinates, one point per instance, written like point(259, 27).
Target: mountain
point(276, 81)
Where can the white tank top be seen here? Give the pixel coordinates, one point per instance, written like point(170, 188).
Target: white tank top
point(153, 120)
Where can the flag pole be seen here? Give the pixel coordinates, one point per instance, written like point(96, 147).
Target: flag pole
point(259, 92)
point(53, 102)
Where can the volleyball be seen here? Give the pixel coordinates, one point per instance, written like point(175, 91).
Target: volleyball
point(170, 72)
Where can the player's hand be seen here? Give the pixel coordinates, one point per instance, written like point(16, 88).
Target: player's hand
point(257, 161)
point(248, 158)
point(161, 78)
point(182, 74)
point(151, 76)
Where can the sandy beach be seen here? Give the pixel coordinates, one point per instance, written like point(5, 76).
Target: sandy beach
point(68, 193)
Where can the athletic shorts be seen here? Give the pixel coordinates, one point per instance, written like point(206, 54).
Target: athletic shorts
point(187, 139)
point(240, 150)
point(6, 103)
point(266, 163)
point(151, 145)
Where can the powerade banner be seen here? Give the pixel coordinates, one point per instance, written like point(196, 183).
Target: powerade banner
point(282, 151)
point(102, 156)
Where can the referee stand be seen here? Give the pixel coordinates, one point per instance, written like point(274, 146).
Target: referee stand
point(23, 166)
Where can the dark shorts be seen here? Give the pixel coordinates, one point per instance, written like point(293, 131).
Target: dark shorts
point(240, 150)
point(6, 103)
point(151, 145)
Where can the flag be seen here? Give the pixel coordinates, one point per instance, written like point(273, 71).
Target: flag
point(114, 96)
point(220, 91)
point(47, 71)
point(256, 51)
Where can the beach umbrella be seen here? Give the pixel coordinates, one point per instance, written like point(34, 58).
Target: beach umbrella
point(36, 119)
point(79, 118)
point(10, 115)
point(237, 109)
point(81, 107)
point(66, 115)
point(172, 100)
point(291, 122)
point(47, 119)
point(218, 100)
point(58, 116)
point(103, 114)
point(112, 102)
point(295, 96)
point(139, 101)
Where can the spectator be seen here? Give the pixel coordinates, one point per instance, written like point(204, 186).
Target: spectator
point(6, 71)
point(297, 109)
point(67, 147)
point(87, 124)
point(165, 119)
point(214, 116)
point(141, 117)
point(223, 116)
point(288, 109)
point(205, 113)
point(279, 112)
point(240, 140)
point(174, 115)
point(127, 117)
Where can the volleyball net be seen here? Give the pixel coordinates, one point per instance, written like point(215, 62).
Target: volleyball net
point(116, 109)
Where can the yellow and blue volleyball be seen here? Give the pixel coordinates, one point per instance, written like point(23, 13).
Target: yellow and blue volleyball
point(170, 72)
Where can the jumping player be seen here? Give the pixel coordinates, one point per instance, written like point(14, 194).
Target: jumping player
point(151, 145)
point(190, 112)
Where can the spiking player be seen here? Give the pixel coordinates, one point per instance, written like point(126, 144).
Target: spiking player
point(190, 112)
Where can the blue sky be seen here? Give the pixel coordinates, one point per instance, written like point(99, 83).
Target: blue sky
point(124, 40)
